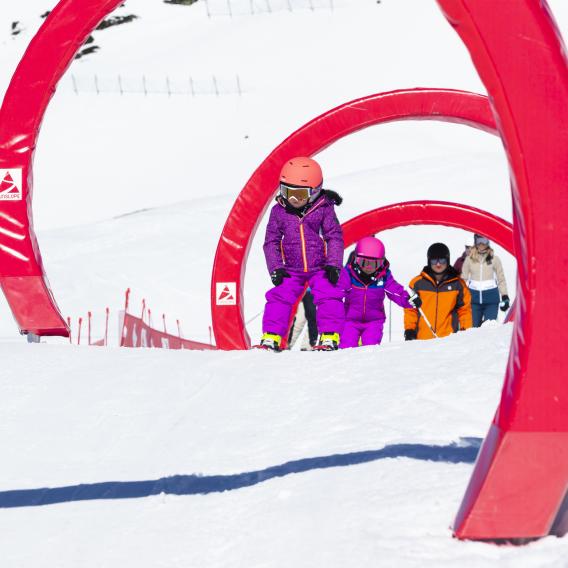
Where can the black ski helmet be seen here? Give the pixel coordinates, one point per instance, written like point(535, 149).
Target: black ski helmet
point(438, 250)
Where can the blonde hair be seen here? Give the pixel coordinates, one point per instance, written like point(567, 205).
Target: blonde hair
point(475, 255)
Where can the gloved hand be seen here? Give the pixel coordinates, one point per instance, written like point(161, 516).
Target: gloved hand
point(504, 305)
point(332, 273)
point(278, 275)
point(415, 300)
point(410, 334)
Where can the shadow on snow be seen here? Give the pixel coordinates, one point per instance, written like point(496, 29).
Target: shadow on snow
point(463, 452)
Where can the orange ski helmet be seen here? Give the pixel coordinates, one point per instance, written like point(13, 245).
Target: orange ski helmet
point(302, 172)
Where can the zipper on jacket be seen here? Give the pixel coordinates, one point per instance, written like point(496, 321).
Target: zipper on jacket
point(304, 257)
point(282, 252)
point(480, 275)
point(364, 302)
point(436, 319)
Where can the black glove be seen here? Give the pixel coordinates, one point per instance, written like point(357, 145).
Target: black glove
point(278, 275)
point(415, 300)
point(504, 305)
point(332, 273)
point(409, 334)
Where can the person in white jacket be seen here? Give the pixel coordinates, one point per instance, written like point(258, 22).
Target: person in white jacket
point(484, 275)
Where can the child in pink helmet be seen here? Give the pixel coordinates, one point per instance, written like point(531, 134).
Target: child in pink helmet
point(304, 246)
point(371, 280)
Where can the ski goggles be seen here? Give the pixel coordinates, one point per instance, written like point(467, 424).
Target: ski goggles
point(299, 193)
point(441, 261)
point(482, 241)
point(374, 263)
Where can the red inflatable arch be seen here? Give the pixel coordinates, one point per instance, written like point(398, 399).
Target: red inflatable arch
point(50, 52)
point(229, 266)
point(429, 213)
point(519, 486)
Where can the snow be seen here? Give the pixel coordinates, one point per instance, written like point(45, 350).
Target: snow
point(133, 191)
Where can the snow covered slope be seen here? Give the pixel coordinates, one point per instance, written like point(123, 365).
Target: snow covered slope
point(343, 459)
point(154, 458)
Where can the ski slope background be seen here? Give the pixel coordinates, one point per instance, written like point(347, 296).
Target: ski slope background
point(134, 190)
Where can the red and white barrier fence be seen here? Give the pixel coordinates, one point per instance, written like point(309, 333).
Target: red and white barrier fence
point(137, 333)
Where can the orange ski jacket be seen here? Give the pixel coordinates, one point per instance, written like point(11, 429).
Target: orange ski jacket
point(443, 303)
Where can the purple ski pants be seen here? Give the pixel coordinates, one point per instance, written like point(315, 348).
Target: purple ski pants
point(328, 299)
point(371, 333)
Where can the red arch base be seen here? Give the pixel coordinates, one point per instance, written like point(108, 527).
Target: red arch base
point(228, 270)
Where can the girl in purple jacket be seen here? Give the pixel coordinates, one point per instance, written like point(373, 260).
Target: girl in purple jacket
point(371, 280)
point(304, 245)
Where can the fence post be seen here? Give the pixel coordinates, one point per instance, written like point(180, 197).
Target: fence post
point(74, 84)
point(144, 87)
point(191, 86)
point(79, 332)
point(179, 329)
point(164, 321)
point(97, 84)
point(69, 326)
point(239, 86)
point(210, 335)
point(168, 86)
point(215, 85)
point(143, 309)
point(120, 85)
point(106, 326)
point(89, 316)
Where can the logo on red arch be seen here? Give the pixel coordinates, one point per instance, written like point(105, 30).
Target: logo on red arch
point(226, 293)
point(11, 185)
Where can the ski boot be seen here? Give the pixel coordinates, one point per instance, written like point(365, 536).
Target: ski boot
point(328, 341)
point(269, 342)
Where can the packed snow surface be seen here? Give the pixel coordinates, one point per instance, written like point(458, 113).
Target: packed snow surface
point(146, 458)
point(355, 458)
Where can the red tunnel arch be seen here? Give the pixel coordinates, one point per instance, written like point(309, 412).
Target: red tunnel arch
point(430, 213)
point(229, 267)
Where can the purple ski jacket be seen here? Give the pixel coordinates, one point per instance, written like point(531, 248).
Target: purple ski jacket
point(365, 302)
point(307, 240)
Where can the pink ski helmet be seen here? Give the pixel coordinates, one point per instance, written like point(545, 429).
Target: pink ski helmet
point(370, 247)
